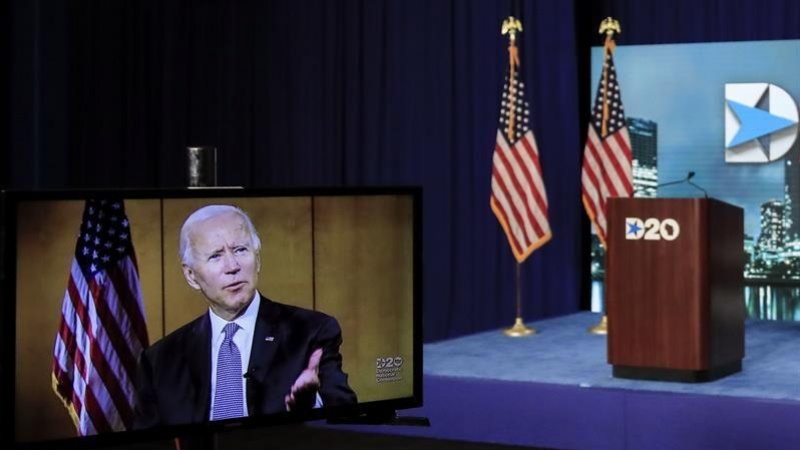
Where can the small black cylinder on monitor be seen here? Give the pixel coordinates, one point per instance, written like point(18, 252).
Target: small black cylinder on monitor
point(202, 166)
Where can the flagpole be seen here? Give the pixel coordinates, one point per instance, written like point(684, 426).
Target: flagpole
point(519, 329)
point(512, 26)
point(609, 26)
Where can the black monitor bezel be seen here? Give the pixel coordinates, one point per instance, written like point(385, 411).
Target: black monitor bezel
point(9, 199)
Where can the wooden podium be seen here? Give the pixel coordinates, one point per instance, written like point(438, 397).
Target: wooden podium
point(674, 284)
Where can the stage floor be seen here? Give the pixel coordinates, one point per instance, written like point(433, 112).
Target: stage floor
point(563, 352)
point(555, 390)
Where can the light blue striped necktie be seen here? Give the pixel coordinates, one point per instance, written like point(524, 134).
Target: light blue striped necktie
point(228, 394)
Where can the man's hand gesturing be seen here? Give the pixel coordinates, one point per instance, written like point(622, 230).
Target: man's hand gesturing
point(304, 389)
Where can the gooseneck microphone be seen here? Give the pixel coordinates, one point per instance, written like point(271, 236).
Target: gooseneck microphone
point(689, 176)
point(687, 180)
point(705, 193)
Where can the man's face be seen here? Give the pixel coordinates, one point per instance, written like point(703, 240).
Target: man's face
point(224, 265)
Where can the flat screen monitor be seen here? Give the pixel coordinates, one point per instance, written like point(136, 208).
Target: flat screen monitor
point(131, 315)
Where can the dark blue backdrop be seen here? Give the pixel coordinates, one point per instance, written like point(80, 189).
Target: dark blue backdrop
point(340, 93)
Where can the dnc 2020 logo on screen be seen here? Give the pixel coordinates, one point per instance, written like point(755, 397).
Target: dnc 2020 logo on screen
point(760, 122)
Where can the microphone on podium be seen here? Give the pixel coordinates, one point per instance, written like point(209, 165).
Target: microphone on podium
point(687, 180)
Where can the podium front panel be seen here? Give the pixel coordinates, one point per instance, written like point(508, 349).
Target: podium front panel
point(674, 288)
point(656, 283)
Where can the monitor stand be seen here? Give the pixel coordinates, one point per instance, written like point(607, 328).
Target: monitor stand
point(209, 440)
point(200, 441)
point(381, 417)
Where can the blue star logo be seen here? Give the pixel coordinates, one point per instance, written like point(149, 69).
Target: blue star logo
point(633, 228)
point(756, 123)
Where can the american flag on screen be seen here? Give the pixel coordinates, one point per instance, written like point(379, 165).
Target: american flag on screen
point(607, 157)
point(102, 329)
point(518, 199)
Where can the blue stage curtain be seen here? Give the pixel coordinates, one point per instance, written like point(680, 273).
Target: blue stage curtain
point(390, 92)
point(700, 21)
point(341, 93)
point(318, 93)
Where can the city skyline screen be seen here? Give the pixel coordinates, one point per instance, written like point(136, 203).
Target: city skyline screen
point(675, 105)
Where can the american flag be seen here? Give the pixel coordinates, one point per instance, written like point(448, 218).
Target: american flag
point(102, 329)
point(607, 157)
point(518, 199)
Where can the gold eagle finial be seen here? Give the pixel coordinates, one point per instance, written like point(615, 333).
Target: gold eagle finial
point(609, 26)
point(511, 26)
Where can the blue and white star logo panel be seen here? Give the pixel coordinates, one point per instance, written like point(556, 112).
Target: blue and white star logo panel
point(634, 228)
point(754, 134)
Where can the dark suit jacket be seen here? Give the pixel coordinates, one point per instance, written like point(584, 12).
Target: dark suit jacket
point(173, 383)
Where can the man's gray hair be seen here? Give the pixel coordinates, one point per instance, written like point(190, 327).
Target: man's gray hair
point(205, 213)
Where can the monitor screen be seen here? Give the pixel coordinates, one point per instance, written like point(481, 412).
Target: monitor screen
point(134, 314)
